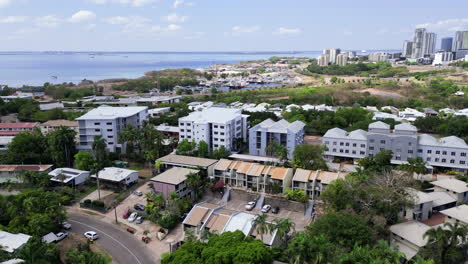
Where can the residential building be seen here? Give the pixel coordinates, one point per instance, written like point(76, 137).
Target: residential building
point(351, 54)
point(323, 60)
point(173, 160)
point(108, 122)
point(441, 201)
point(304, 180)
point(457, 214)
point(11, 173)
point(378, 56)
point(12, 129)
point(461, 41)
point(52, 125)
point(429, 43)
point(9, 98)
point(443, 58)
point(324, 178)
point(410, 114)
point(117, 176)
point(12, 242)
point(216, 126)
point(156, 112)
point(457, 189)
point(5, 141)
point(404, 141)
point(423, 43)
point(409, 237)
point(422, 209)
point(407, 49)
point(156, 100)
point(50, 106)
point(332, 53)
point(168, 131)
point(282, 132)
point(342, 59)
point(69, 176)
point(173, 181)
point(446, 44)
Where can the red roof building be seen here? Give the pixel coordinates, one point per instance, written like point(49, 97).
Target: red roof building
point(21, 126)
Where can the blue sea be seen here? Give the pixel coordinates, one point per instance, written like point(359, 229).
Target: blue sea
point(36, 68)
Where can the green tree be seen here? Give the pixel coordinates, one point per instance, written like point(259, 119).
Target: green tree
point(447, 244)
point(296, 195)
point(309, 157)
point(380, 253)
point(84, 255)
point(195, 182)
point(28, 147)
point(202, 150)
point(186, 147)
point(307, 248)
point(261, 225)
point(100, 155)
point(282, 226)
point(62, 146)
point(37, 251)
point(414, 165)
point(84, 160)
point(221, 153)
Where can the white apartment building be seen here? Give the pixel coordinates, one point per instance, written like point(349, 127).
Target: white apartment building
point(443, 58)
point(216, 126)
point(323, 60)
point(342, 59)
point(108, 122)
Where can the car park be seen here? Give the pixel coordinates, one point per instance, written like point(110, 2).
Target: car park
point(132, 217)
point(275, 210)
point(250, 206)
point(139, 220)
point(66, 225)
point(266, 208)
point(61, 236)
point(139, 207)
point(91, 235)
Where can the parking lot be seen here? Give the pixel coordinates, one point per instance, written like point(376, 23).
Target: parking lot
point(297, 217)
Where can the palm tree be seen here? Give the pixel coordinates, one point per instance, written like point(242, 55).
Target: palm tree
point(100, 156)
point(283, 227)
point(194, 181)
point(261, 225)
point(447, 244)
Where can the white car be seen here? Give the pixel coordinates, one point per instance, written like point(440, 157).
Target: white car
point(250, 206)
point(61, 236)
point(133, 216)
point(266, 208)
point(91, 235)
point(138, 193)
point(66, 225)
point(139, 220)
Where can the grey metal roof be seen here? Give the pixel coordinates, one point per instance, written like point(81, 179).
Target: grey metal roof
point(335, 132)
point(281, 126)
point(453, 141)
point(379, 125)
point(425, 139)
point(358, 134)
point(406, 127)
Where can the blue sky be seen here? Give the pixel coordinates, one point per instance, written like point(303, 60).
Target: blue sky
point(221, 25)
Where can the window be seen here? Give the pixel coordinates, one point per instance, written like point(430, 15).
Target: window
point(111, 143)
point(382, 141)
point(222, 140)
point(371, 141)
point(215, 146)
point(363, 145)
point(428, 159)
point(462, 162)
point(429, 151)
point(222, 127)
point(354, 152)
point(341, 143)
point(452, 161)
point(110, 136)
point(419, 150)
point(222, 133)
point(182, 136)
point(410, 143)
point(444, 160)
point(334, 143)
point(215, 126)
point(97, 124)
point(327, 142)
point(347, 144)
point(362, 152)
point(410, 151)
point(189, 130)
point(347, 151)
point(371, 148)
point(354, 144)
point(216, 133)
point(463, 154)
point(444, 152)
point(109, 123)
point(436, 159)
point(182, 130)
point(97, 130)
point(109, 130)
point(341, 151)
point(453, 153)
point(334, 150)
point(437, 151)
point(189, 136)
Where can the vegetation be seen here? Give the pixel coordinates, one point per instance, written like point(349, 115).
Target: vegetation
point(84, 255)
point(381, 69)
point(309, 157)
point(28, 111)
point(297, 195)
point(450, 126)
point(167, 213)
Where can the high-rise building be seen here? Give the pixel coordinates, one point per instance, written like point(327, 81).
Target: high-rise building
point(443, 58)
point(407, 49)
point(429, 43)
point(323, 60)
point(446, 44)
point(351, 54)
point(418, 43)
point(332, 53)
point(461, 40)
point(342, 59)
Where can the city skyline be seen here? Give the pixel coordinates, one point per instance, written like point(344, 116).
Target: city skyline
point(194, 25)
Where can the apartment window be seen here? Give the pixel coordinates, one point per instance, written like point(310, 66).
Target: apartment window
point(109, 123)
point(110, 143)
point(382, 149)
point(444, 160)
point(222, 133)
point(189, 130)
point(419, 150)
point(452, 161)
point(222, 127)
point(334, 143)
point(363, 145)
point(354, 152)
point(110, 136)
point(371, 141)
point(429, 151)
point(397, 158)
point(347, 151)
point(97, 124)
point(347, 144)
point(436, 159)
point(182, 136)
point(444, 152)
point(354, 144)
point(428, 159)
point(362, 152)
point(341, 143)
point(463, 154)
point(462, 162)
point(215, 126)
point(410, 144)
point(222, 140)
point(215, 146)
point(341, 151)
point(410, 151)
point(371, 148)
point(97, 130)
point(382, 141)
point(181, 124)
point(215, 139)
point(437, 151)
point(334, 150)
point(327, 142)
point(453, 153)
point(109, 130)
point(189, 136)
point(216, 133)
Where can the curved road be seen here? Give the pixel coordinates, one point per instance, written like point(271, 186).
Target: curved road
point(123, 247)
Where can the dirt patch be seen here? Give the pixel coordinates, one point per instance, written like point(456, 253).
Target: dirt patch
point(313, 140)
point(380, 93)
point(278, 98)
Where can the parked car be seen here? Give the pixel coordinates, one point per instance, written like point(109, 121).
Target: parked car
point(133, 216)
point(138, 193)
point(91, 235)
point(126, 214)
point(266, 208)
point(250, 206)
point(139, 220)
point(61, 236)
point(139, 207)
point(275, 210)
point(66, 225)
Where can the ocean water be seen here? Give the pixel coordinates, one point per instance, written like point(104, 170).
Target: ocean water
point(36, 68)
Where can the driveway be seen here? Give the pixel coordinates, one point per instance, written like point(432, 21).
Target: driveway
point(121, 246)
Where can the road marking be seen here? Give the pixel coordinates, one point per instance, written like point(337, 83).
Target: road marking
point(120, 243)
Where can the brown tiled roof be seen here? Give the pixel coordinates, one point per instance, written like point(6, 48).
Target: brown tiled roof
point(57, 123)
point(266, 169)
point(197, 216)
point(256, 170)
point(217, 223)
point(327, 177)
point(223, 164)
point(244, 167)
point(234, 165)
point(302, 175)
point(278, 173)
point(18, 125)
point(187, 160)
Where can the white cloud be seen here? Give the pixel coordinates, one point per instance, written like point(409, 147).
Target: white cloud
point(288, 31)
point(82, 16)
point(49, 21)
point(448, 25)
point(179, 3)
point(4, 3)
point(242, 29)
point(136, 3)
point(13, 19)
point(175, 18)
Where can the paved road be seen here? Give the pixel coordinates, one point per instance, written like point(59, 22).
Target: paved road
point(123, 247)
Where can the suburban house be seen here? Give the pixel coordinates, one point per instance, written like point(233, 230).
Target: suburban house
point(457, 214)
point(12, 242)
point(108, 122)
point(304, 180)
point(404, 142)
point(324, 178)
point(408, 237)
point(441, 201)
point(216, 126)
point(202, 164)
point(455, 188)
point(11, 172)
point(422, 209)
point(53, 125)
point(173, 180)
point(282, 132)
point(117, 176)
point(69, 176)
point(198, 216)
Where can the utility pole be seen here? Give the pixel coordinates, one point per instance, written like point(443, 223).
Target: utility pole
point(115, 213)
